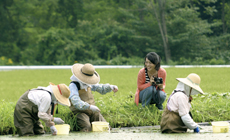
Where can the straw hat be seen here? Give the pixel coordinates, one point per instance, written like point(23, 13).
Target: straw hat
point(85, 73)
point(192, 80)
point(61, 93)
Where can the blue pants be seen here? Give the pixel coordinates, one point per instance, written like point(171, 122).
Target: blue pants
point(150, 96)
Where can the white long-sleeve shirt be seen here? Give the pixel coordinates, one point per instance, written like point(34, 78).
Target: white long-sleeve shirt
point(42, 99)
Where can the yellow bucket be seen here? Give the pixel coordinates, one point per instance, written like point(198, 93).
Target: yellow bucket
point(100, 126)
point(62, 129)
point(220, 127)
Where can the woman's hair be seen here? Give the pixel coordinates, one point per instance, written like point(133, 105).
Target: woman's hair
point(154, 58)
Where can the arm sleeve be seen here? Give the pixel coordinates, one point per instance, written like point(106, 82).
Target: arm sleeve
point(101, 88)
point(46, 117)
point(188, 121)
point(75, 99)
point(141, 85)
point(164, 79)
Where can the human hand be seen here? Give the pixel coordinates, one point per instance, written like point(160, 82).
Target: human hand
point(197, 130)
point(160, 86)
point(151, 79)
point(58, 121)
point(114, 88)
point(94, 108)
point(53, 130)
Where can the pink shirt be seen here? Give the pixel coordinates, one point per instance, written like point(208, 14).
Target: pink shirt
point(179, 102)
point(141, 85)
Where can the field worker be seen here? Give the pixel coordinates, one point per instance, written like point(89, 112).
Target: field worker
point(84, 80)
point(151, 82)
point(35, 104)
point(176, 118)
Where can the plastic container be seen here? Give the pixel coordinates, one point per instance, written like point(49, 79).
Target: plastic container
point(62, 129)
point(220, 127)
point(98, 126)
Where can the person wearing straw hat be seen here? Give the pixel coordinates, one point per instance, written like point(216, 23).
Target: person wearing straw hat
point(35, 104)
point(84, 80)
point(176, 117)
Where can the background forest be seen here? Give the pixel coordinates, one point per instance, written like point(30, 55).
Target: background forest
point(114, 32)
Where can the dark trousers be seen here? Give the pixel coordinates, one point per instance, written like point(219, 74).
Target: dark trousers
point(84, 120)
point(26, 118)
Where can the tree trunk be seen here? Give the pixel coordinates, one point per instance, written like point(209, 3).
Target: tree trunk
point(162, 27)
point(223, 18)
point(163, 24)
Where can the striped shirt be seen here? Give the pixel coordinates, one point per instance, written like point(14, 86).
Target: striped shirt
point(147, 79)
point(142, 82)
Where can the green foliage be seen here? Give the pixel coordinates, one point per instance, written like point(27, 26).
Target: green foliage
point(7, 118)
point(217, 62)
point(54, 46)
point(122, 112)
point(59, 32)
point(5, 61)
point(200, 61)
point(119, 60)
point(205, 107)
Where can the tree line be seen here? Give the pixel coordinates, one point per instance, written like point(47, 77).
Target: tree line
point(62, 32)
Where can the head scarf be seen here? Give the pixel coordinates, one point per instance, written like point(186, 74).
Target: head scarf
point(183, 87)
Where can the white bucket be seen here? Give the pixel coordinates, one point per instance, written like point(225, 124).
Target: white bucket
point(100, 126)
point(220, 127)
point(62, 129)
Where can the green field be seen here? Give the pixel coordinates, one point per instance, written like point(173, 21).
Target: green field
point(14, 83)
point(119, 109)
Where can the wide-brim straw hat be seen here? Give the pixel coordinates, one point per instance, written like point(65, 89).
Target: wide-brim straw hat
point(192, 80)
point(85, 73)
point(61, 93)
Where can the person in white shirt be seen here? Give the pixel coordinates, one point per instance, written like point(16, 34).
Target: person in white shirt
point(176, 117)
point(35, 104)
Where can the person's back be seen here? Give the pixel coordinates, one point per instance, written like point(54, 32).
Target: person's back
point(176, 117)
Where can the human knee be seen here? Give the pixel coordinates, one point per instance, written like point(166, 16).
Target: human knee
point(162, 96)
point(86, 128)
point(150, 90)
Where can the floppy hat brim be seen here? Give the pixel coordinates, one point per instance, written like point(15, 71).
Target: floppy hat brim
point(189, 83)
point(58, 96)
point(91, 80)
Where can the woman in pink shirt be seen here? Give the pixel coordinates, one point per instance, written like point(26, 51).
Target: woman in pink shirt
point(151, 82)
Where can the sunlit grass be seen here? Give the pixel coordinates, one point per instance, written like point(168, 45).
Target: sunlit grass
point(119, 108)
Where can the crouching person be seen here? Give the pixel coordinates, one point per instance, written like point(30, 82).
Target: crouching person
point(35, 104)
point(176, 118)
point(84, 80)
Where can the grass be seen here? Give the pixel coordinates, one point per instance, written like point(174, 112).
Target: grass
point(119, 108)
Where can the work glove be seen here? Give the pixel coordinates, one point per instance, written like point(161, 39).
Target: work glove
point(94, 108)
point(197, 130)
point(114, 88)
point(58, 121)
point(53, 130)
